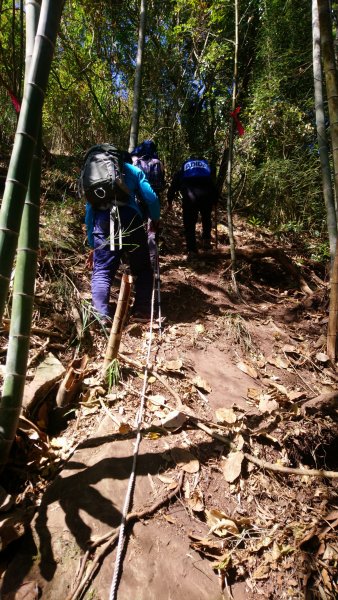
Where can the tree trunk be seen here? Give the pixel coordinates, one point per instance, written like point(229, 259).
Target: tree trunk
point(331, 79)
point(323, 146)
point(135, 118)
point(24, 281)
point(25, 141)
point(230, 150)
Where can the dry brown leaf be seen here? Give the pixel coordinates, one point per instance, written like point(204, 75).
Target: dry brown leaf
point(289, 349)
point(267, 405)
point(331, 553)
point(219, 523)
point(253, 393)
point(225, 415)
point(239, 442)
point(322, 357)
point(294, 396)
point(232, 466)
point(6, 500)
point(174, 420)
point(173, 365)
point(201, 383)
point(157, 399)
point(170, 519)
point(280, 388)
point(165, 479)
point(184, 459)
point(262, 572)
point(196, 502)
point(247, 369)
point(60, 442)
point(278, 361)
point(124, 428)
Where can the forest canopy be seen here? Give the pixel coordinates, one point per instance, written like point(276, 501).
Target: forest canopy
point(187, 83)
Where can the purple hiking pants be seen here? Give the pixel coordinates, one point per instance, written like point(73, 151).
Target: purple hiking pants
point(106, 261)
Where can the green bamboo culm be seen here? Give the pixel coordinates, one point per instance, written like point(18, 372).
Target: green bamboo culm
point(25, 140)
point(25, 272)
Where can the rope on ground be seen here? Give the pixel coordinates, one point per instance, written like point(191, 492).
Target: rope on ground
point(111, 537)
point(130, 489)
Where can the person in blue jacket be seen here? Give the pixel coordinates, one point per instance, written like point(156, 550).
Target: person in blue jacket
point(199, 194)
point(134, 242)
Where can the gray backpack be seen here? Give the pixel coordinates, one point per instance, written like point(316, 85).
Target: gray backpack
point(101, 179)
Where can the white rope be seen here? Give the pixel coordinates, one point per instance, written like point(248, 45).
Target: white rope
point(128, 497)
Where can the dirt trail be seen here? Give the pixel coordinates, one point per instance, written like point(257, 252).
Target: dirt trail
point(244, 366)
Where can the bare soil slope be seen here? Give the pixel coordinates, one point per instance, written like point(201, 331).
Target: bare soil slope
point(238, 388)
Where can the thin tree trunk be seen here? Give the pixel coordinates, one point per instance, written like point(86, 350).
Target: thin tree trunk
point(331, 79)
point(135, 118)
point(24, 282)
point(119, 318)
point(323, 146)
point(25, 141)
point(230, 151)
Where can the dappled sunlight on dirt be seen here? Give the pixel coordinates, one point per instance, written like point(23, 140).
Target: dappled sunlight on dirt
point(236, 376)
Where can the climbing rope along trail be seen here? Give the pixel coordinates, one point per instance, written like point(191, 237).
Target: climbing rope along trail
point(131, 483)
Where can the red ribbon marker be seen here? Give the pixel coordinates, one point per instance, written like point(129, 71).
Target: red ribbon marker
point(15, 102)
point(239, 125)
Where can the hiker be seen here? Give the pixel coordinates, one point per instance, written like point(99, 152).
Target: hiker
point(146, 158)
point(128, 223)
point(199, 194)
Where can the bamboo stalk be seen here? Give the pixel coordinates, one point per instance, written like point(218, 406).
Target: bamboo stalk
point(118, 322)
point(24, 280)
point(25, 140)
point(331, 340)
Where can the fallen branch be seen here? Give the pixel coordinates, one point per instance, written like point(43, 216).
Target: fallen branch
point(138, 365)
point(291, 470)
point(266, 465)
point(110, 539)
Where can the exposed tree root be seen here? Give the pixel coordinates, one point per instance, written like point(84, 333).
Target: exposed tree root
point(251, 253)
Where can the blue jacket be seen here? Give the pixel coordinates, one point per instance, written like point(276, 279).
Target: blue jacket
point(137, 183)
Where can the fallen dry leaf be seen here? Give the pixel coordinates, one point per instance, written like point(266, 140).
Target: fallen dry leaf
point(174, 420)
point(278, 361)
point(294, 396)
point(253, 393)
point(289, 349)
point(157, 399)
point(199, 328)
point(232, 466)
point(173, 365)
point(247, 369)
point(165, 478)
point(201, 383)
point(124, 428)
point(196, 502)
point(219, 523)
point(262, 572)
point(267, 405)
point(184, 459)
point(170, 519)
point(225, 415)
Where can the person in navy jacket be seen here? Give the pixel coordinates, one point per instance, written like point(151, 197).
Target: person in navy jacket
point(134, 242)
point(199, 194)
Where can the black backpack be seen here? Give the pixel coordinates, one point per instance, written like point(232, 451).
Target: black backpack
point(101, 179)
point(153, 169)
